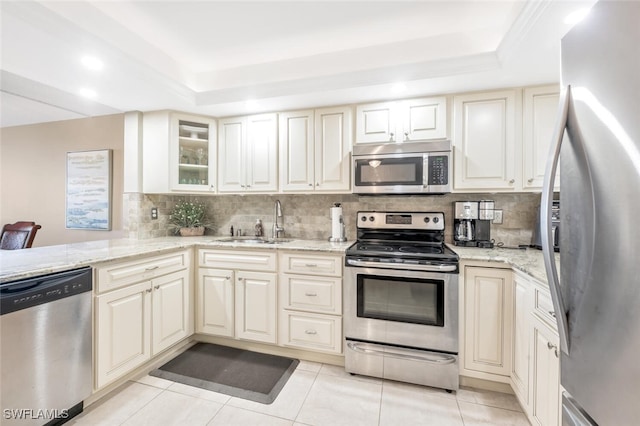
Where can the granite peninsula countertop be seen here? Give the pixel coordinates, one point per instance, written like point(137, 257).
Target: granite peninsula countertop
point(18, 264)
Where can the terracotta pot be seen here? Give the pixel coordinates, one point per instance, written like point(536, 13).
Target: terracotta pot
point(192, 232)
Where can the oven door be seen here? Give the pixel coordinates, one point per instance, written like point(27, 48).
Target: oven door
point(402, 307)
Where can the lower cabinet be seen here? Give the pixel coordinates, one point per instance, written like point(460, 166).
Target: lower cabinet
point(137, 321)
point(238, 302)
point(310, 292)
point(488, 307)
point(545, 366)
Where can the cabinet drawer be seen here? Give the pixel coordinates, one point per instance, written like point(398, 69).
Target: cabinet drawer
point(543, 306)
point(126, 273)
point(238, 259)
point(311, 331)
point(313, 264)
point(310, 293)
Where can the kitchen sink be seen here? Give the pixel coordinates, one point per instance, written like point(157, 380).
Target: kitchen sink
point(251, 240)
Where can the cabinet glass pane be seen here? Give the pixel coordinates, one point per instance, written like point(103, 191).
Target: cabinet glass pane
point(193, 161)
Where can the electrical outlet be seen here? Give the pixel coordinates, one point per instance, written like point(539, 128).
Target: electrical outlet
point(154, 213)
point(497, 217)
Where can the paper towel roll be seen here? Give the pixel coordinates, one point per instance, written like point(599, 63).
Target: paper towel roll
point(336, 222)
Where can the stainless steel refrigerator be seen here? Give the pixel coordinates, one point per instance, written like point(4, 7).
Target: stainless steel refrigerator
point(597, 299)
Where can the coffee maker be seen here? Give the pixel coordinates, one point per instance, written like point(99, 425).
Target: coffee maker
point(472, 223)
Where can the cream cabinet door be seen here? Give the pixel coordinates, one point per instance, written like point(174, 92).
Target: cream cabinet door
point(488, 304)
point(424, 119)
point(484, 140)
point(522, 294)
point(172, 318)
point(540, 114)
point(231, 159)
point(216, 300)
point(376, 123)
point(332, 148)
point(256, 306)
point(123, 331)
point(262, 149)
point(297, 154)
point(545, 375)
point(193, 153)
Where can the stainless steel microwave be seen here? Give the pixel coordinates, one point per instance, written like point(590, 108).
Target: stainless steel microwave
point(402, 168)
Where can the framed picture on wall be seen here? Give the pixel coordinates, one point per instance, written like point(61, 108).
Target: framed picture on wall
point(89, 190)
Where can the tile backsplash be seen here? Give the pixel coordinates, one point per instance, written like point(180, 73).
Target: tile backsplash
point(307, 216)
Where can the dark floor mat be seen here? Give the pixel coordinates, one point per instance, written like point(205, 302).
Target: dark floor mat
point(236, 372)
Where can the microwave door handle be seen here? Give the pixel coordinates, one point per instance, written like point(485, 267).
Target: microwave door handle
point(545, 220)
point(425, 170)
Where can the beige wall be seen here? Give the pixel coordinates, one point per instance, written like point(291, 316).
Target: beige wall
point(33, 174)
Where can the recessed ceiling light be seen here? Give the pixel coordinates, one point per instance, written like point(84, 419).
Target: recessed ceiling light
point(576, 16)
point(87, 93)
point(398, 88)
point(92, 63)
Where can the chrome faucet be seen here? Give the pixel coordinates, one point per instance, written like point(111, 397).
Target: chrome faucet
point(277, 231)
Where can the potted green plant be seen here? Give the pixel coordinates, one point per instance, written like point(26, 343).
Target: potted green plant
point(189, 218)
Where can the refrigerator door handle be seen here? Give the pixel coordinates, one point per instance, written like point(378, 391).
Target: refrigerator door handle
point(545, 220)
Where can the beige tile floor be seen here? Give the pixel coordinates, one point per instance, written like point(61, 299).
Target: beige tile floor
point(316, 394)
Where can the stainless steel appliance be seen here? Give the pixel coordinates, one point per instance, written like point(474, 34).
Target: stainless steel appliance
point(536, 239)
point(597, 299)
point(45, 328)
point(401, 300)
point(402, 168)
point(472, 223)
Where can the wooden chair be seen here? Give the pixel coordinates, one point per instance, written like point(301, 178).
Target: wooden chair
point(18, 235)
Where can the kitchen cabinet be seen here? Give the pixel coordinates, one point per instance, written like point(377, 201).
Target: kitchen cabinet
point(540, 114)
point(139, 315)
point(488, 307)
point(485, 141)
point(237, 294)
point(402, 121)
point(248, 151)
point(545, 365)
point(521, 338)
point(310, 292)
point(314, 150)
point(179, 153)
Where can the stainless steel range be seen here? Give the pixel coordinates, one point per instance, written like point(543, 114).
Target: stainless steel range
point(401, 300)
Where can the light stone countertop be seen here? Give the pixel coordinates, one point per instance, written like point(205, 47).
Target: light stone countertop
point(18, 264)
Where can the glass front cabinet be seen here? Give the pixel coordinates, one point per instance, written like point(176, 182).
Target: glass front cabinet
point(193, 153)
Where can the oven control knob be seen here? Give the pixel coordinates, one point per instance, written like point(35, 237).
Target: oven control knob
point(436, 220)
point(371, 218)
point(427, 219)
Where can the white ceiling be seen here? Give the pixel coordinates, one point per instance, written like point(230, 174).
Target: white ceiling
point(211, 57)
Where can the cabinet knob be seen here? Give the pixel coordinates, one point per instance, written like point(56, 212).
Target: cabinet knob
point(552, 313)
point(240, 278)
point(227, 278)
point(248, 186)
point(554, 347)
point(317, 183)
point(406, 136)
point(391, 136)
point(148, 290)
point(512, 181)
point(530, 180)
point(310, 184)
point(157, 287)
point(212, 186)
point(242, 186)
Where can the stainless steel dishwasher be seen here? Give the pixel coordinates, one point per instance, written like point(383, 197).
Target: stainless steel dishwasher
point(45, 335)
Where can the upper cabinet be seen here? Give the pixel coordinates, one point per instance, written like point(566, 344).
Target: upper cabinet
point(484, 139)
point(402, 121)
point(248, 154)
point(179, 153)
point(540, 114)
point(314, 150)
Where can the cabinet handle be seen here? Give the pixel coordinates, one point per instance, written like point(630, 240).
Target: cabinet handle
point(530, 180)
point(552, 313)
point(310, 184)
point(406, 136)
point(242, 186)
point(157, 287)
point(554, 347)
point(310, 332)
point(240, 278)
point(391, 137)
point(512, 181)
point(212, 187)
point(227, 278)
point(151, 268)
point(311, 265)
point(148, 290)
point(248, 186)
point(311, 294)
point(317, 183)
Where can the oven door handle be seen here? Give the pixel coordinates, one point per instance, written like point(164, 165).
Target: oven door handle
point(415, 267)
point(440, 359)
